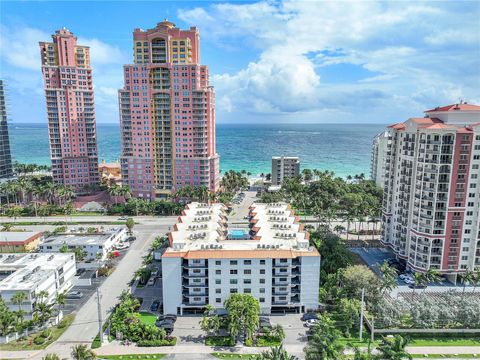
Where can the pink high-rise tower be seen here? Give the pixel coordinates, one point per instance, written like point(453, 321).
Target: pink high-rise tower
point(167, 114)
point(70, 109)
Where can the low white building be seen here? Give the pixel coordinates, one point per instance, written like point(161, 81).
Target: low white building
point(269, 257)
point(96, 245)
point(32, 273)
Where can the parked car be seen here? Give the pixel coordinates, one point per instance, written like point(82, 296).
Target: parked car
point(264, 322)
point(123, 218)
point(74, 295)
point(151, 281)
point(80, 271)
point(122, 246)
point(309, 316)
point(166, 324)
point(418, 286)
point(154, 271)
point(155, 305)
point(409, 281)
point(169, 317)
point(131, 238)
point(310, 323)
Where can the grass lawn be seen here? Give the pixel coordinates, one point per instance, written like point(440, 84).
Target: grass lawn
point(440, 356)
point(265, 340)
point(233, 356)
point(28, 344)
point(445, 341)
point(133, 356)
point(219, 341)
point(147, 318)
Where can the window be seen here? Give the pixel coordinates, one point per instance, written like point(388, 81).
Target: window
point(262, 281)
point(218, 300)
point(233, 291)
point(247, 271)
point(218, 291)
point(233, 281)
point(262, 300)
point(218, 281)
point(262, 290)
point(247, 291)
point(218, 272)
point(233, 272)
point(247, 281)
point(247, 262)
point(233, 262)
point(262, 271)
point(218, 262)
point(262, 262)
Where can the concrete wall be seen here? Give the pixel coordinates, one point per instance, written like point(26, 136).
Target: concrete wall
point(310, 281)
point(172, 284)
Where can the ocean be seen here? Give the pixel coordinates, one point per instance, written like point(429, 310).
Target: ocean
point(342, 148)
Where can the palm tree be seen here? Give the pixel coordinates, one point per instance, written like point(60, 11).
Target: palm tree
point(419, 279)
point(394, 348)
point(60, 298)
point(18, 299)
point(276, 353)
point(82, 352)
point(68, 210)
point(389, 277)
point(476, 279)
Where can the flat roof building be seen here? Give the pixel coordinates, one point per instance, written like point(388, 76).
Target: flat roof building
point(96, 245)
point(269, 257)
point(32, 273)
point(19, 241)
point(284, 167)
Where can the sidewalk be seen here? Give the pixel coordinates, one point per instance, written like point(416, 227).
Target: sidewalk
point(297, 350)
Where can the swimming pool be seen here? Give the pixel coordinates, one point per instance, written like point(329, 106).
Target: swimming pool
point(238, 234)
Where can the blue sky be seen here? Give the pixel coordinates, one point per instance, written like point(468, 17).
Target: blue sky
point(270, 61)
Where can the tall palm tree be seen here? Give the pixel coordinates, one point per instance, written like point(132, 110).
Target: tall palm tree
point(467, 277)
point(18, 299)
point(419, 279)
point(82, 352)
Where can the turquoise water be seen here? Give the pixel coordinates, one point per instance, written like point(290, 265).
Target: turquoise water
point(238, 235)
point(343, 148)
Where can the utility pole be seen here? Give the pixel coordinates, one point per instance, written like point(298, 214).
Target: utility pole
point(361, 314)
point(99, 307)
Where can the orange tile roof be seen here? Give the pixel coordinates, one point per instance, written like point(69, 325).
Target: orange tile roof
point(399, 126)
point(426, 121)
point(240, 254)
point(456, 107)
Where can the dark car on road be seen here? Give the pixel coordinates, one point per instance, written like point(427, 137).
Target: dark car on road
point(417, 286)
point(169, 317)
point(309, 316)
point(155, 305)
point(166, 324)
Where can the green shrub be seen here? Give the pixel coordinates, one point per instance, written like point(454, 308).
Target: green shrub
point(169, 341)
point(248, 342)
point(219, 341)
point(266, 340)
point(38, 340)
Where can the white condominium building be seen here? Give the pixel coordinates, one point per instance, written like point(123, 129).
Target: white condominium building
point(32, 273)
point(377, 167)
point(269, 257)
point(96, 245)
point(284, 167)
point(432, 190)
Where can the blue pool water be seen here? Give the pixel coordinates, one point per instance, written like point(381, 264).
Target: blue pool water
point(237, 235)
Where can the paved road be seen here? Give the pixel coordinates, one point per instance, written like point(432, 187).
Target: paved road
point(85, 326)
point(145, 220)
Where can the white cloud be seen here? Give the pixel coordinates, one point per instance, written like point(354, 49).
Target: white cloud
point(402, 48)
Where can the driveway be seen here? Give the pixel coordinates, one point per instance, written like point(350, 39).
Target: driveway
point(188, 332)
point(295, 332)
